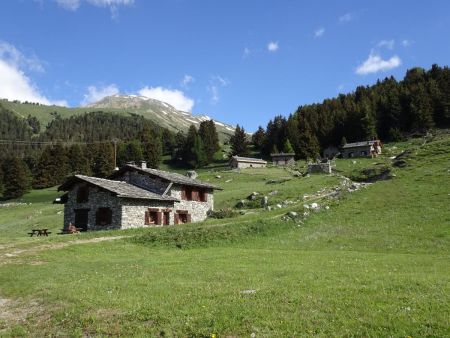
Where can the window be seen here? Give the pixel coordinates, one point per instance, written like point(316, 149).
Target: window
point(103, 216)
point(83, 194)
point(203, 196)
point(152, 216)
point(182, 216)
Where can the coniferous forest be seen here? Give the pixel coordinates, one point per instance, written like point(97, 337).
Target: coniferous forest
point(92, 144)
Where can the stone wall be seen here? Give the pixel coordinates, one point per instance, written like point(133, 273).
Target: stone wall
point(244, 165)
point(197, 210)
point(133, 212)
point(98, 198)
point(324, 167)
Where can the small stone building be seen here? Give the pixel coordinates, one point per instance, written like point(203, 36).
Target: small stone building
point(238, 162)
point(362, 149)
point(283, 159)
point(320, 167)
point(135, 197)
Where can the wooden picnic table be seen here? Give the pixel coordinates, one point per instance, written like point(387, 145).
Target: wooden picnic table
point(39, 232)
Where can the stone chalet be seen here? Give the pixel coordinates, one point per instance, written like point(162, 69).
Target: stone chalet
point(283, 159)
point(362, 149)
point(237, 162)
point(134, 197)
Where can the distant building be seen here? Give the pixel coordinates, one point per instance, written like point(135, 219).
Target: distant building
point(238, 162)
point(330, 152)
point(320, 167)
point(362, 149)
point(133, 197)
point(283, 159)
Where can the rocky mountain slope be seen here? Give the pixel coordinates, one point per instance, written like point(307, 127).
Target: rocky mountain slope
point(160, 112)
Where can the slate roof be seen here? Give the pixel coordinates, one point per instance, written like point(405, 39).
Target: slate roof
point(359, 144)
point(282, 154)
point(120, 188)
point(248, 159)
point(167, 176)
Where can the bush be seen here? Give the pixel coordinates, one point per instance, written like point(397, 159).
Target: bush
point(222, 213)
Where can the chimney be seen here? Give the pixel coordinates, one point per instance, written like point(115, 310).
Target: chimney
point(143, 165)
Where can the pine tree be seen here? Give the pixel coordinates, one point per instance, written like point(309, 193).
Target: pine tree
point(258, 138)
point(151, 147)
point(103, 159)
point(198, 155)
point(2, 187)
point(130, 152)
point(309, 145)
point(79, 161)
point(210, 139)
point(343, 142)
point(16, 177)
point(287, 148)
point(52, 167)
point(239, 143)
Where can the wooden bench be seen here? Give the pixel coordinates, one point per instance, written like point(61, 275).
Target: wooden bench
point(39, 232)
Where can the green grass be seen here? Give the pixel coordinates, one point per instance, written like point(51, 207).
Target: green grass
point(374, 265)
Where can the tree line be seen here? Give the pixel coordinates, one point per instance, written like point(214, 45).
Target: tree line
point(91, 144)
point(390, 110)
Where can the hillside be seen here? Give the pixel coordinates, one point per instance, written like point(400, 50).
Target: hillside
point(160, 113)
point(370, 261)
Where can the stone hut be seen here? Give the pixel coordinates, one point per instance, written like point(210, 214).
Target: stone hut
point(283, 159)
point(362, 149)
point(238, 162)
point(135, 197)
point(320, 167)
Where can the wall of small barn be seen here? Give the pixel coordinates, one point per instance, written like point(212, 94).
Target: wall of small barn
point(98, 198)
point(198, 210)
point(133, 212)
point(357, 151)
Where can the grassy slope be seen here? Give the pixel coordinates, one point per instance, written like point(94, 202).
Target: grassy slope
point(375, 264)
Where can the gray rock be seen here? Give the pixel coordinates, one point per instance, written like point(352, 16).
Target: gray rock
point(218, 176)
point(264, 201)
point(292, 214)
point(240, 204)
point(252, 196)
point(192, 174)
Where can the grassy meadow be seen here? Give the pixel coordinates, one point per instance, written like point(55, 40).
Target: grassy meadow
point(369, 263)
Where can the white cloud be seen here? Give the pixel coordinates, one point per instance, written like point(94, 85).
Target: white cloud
point(173, 97)
point(215, 83)
point(272, 46)
point(113, 5)
point(14, 57)
point(347, 17)
point(14, 83)
point(187, 79)
point(95, 94)
point(407, 43)
point(389, 44)
point(319, 32)
point(71, 5)
point(375, 63)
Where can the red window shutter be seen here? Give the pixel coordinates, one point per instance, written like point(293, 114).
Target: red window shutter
point(176, 218)
point(189, 218)
point(158, 218)
point(147, 218)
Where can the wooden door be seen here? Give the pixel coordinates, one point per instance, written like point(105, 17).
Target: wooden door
point(166, 218)
point(81, 219)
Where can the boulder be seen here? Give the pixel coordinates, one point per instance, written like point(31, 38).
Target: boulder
point(252, 196)
point(264, 201)
point(314, 206)
point(240, 204)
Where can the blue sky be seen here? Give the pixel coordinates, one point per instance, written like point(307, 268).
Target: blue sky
point(237, 61)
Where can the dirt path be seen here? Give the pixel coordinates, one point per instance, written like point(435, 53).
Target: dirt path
point(51, 246)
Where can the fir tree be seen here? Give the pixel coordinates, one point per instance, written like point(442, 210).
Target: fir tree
point(287, 148)
point(52, 167)
point(102, 159)
point(239, 143)
point(258, 138)
point(79, 161)
point(198, 156)
point(209, 138)
point(130, 152)
point(309, 145)
point(151, 147)
point(16, 178)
